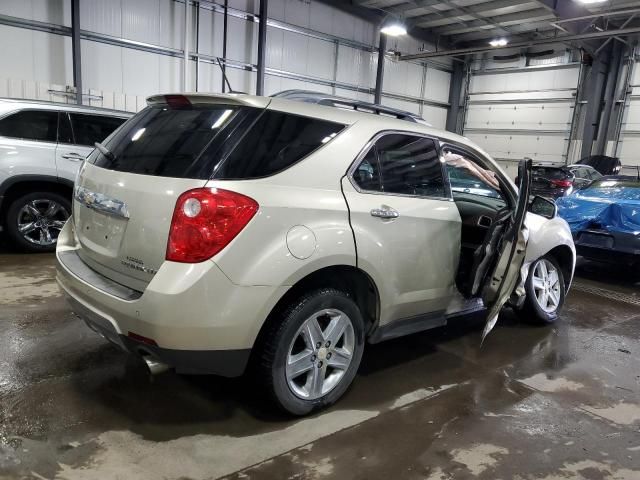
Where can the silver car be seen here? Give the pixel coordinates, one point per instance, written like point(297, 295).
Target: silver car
point(214, 232)
point(42, 145)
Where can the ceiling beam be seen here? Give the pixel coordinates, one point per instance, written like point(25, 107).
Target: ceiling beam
point(376, 16)
point(520, 31)
point(564, 9)
point(527, 44)
point(499, 22)
point(493, 8)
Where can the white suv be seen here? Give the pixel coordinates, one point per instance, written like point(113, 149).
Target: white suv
point(42, 145)
point(215, 232)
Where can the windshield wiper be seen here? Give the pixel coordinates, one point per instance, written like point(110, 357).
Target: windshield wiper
point(105, 151)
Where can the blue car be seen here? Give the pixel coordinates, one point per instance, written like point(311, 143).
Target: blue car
point(605, 219)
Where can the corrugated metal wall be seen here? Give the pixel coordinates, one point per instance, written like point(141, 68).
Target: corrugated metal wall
point(516, 111)
point(310, 45)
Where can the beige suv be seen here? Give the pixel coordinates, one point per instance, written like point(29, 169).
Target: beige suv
point(215, 232)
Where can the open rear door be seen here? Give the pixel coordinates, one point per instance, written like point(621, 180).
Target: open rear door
point(503, 253)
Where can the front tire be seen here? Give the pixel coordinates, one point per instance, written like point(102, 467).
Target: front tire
point(545, 290)
point(309, 358)
point(35, 220)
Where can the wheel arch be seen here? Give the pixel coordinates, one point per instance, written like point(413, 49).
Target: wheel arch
point(19, 185)
point(566, 260)
point(346, 278)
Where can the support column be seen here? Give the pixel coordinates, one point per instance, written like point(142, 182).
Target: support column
point(455, 92)
point(613, 77)
point(187, 21)
point(262, 43)
point(382, 49)
point(75, 49)
point(225, 26)
point(593, 95)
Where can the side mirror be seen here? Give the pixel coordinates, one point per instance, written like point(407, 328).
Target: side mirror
point(544, 207)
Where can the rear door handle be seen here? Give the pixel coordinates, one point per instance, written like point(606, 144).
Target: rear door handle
point(75, 157)
point(384, 212)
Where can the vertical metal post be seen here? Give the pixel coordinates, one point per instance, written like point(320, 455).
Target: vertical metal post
point(465, 98)
point(455, 92)
point(382, 49)
point(573, 128)
point(75, 49)
point(225, 26)
point(185, 79)
point(196, 4)
point(593, 95)
point(336, 52)
point(626, 92)
point(610, 91)
point(262, 43)
point(423, 88)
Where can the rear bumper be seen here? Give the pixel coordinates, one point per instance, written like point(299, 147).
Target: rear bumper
point(197, 319)
point(613, 247)
point(553, 193)
point(227, 363)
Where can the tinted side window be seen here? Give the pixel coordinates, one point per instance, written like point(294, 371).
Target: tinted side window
point(65, 134)
point(367, 175)
point(595, 175)
point(410, 166)
point(274, 143)
point(89, 129)
point(31, 125)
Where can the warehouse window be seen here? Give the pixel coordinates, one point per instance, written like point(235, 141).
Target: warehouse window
point(39, 125)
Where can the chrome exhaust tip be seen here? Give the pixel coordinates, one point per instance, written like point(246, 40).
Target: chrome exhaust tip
point(154, 366)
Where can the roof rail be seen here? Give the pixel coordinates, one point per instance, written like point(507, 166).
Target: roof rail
point(320, 98)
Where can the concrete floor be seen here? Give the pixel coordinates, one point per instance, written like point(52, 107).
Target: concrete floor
point(558, 402)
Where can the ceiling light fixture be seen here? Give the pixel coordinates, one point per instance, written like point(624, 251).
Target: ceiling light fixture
point(499, 42)
point(592, 1)
point(393, 28)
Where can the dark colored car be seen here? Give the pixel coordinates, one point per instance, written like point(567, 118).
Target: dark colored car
point(558, 180)
point(603, 164)
point(605, 219)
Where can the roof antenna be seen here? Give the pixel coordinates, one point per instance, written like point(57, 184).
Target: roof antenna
point(221, 63)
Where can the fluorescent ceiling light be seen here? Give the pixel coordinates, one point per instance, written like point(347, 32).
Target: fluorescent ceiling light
point(394, 29)
point(498, 42)
point(591, 1)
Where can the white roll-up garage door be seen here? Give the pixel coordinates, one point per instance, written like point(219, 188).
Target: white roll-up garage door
point(522, 113)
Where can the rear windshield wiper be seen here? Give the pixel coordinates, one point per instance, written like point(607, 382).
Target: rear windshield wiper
point(105, 151)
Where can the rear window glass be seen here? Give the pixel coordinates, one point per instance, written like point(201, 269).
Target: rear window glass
point(195, 142)
point(166, 142)
point(550, 173)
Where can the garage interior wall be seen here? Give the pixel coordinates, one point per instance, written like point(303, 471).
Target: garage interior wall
point(628, 145)
point(523, 108)
point(132, 49)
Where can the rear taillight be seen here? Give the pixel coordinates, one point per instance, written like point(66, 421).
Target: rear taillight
point(204, 221)
point(561, 183)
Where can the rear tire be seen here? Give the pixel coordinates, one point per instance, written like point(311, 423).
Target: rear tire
point(310, 356)
point(34, 220)
point(545, 290)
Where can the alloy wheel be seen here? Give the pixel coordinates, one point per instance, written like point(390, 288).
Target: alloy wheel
point(546, 285)
point(40, 221)
point(320, 354)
